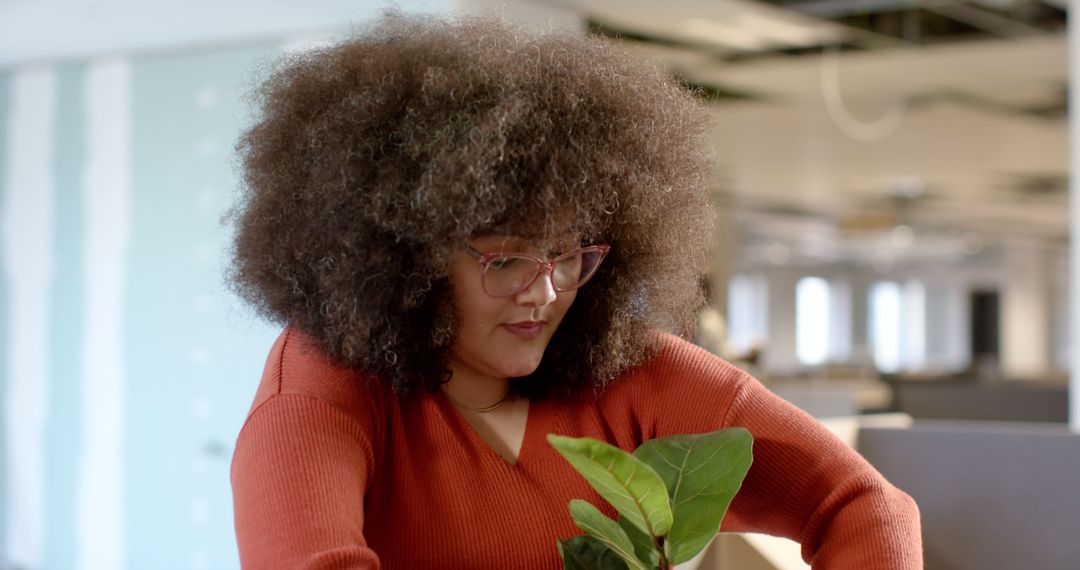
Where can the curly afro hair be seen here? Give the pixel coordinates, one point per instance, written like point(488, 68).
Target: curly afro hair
point(371, 163)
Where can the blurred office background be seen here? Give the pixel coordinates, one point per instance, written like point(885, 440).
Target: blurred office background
point(892, 194)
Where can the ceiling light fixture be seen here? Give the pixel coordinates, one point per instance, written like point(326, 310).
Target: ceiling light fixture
point(726, 35)
point(776, 30)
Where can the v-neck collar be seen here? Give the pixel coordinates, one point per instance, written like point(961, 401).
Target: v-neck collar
point(457, 422)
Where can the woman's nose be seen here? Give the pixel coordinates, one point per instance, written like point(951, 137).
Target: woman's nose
point(540, 292)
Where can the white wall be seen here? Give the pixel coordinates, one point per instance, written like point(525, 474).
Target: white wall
point(1074, 243)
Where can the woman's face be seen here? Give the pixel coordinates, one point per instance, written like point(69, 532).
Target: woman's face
point(503, 337)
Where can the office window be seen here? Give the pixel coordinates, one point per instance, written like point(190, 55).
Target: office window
point(885, 325)
point(748, 312)
point(812, 320)
point(839, 320)
point(913, 325)
point(898, 325)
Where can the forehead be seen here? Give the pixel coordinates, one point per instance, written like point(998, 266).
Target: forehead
point(510, 242)
point(545, 228)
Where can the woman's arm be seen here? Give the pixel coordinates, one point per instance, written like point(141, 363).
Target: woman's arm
point(299, 475)
point(807, 484)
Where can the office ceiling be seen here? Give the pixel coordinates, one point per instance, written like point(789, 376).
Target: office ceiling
point(846, 131)
point(869, 131)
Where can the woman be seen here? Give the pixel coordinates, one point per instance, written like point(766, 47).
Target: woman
point(474, 236)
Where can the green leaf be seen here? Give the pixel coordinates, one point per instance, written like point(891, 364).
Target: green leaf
point(702, 473)
point(587, 553)
point(644, 547)
point(631, 486)
point(589, 519)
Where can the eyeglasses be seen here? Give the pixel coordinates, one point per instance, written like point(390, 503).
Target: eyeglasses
point(506, 274)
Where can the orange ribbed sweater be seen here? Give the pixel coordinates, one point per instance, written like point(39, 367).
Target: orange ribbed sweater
point(333, 473)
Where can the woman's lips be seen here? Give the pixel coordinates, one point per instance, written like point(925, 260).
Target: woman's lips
point(525, 329)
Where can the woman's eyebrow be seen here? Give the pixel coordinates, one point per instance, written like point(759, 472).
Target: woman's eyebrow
point(513, 244)
point(508, 244)
point(518, 244)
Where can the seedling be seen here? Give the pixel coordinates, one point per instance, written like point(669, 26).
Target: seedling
point(671, 495)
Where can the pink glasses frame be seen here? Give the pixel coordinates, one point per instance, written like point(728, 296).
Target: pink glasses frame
point(546, 266)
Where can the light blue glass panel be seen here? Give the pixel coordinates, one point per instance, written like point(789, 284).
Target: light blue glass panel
point(66, 327)
point(194, 354)
point(5, 311)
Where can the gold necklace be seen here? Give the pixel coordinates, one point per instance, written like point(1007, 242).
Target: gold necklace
point(483, 410)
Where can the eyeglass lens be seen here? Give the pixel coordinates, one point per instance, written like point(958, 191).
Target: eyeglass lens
point(510, 273)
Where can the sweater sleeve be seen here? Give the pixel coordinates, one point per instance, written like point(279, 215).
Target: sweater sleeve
point(808, 485)
point(299, 476)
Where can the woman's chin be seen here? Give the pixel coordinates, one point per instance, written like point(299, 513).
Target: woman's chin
point(521, 369)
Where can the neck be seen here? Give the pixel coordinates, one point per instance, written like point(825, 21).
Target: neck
point(475, 392)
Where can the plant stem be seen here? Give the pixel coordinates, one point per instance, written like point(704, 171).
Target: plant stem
point(659, 543)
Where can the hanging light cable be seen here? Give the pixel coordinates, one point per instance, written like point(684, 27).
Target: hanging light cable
point(864, 131)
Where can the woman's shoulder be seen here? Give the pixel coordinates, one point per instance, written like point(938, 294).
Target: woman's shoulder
point(678, 388)
point(678, 370)
point(297, 367)
point(673, 355)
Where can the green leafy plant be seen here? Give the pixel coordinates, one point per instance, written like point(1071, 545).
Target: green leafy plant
point(671, 495)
